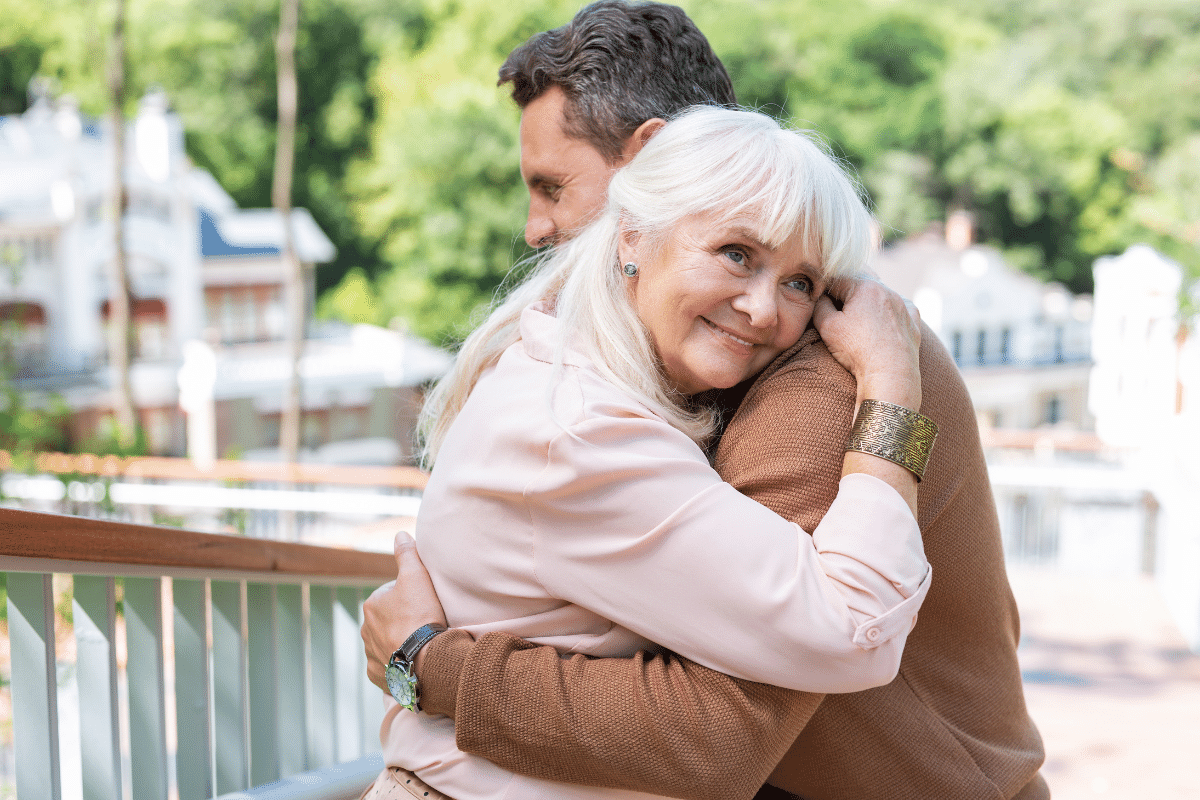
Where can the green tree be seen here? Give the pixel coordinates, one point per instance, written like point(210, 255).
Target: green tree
point(1063, 127)
point(442, 190)
point(29, 424)
point(216, 62)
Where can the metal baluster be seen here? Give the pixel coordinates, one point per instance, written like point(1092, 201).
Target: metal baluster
point(193, 698)
point(95, 616)
point(147, 715)
point(34, 685)
point(229, 675)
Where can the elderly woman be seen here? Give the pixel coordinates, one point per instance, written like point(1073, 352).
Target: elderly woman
point(572, 503)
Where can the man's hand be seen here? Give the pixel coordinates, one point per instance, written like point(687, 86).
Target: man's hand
point(396, 609)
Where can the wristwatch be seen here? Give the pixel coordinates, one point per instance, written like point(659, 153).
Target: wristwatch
point(399, 673)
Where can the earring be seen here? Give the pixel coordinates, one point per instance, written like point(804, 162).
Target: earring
point(630, 269)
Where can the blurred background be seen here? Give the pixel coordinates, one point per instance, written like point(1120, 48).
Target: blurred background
point(1034, 165)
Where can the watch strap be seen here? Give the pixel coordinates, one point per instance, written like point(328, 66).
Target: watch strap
point(418, 639)
point(399, 672)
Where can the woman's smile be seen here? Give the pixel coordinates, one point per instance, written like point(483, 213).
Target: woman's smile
point(749, 346)
point(718, 303)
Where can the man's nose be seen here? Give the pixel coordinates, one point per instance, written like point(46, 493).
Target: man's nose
point(540, 229)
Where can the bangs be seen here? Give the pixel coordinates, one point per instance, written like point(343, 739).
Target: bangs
point(743, 168)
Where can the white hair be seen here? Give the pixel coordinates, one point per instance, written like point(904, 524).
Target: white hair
point(733, 165)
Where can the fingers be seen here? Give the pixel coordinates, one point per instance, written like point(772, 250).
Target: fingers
point(842, 289)
point(404, 547)
point(823, 311)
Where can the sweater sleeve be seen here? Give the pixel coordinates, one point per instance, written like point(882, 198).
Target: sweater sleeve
point(629, 521)
point(659, 723)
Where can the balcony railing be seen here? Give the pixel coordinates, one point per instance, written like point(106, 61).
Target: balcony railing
point(259, 640)
point(325, 502)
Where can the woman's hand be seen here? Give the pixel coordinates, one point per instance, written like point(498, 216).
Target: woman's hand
point(877, 337)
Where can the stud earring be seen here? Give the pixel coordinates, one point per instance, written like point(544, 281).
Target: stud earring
point(630, 269)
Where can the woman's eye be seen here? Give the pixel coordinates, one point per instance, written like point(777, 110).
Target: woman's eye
point(801, 285)
point(737, 257)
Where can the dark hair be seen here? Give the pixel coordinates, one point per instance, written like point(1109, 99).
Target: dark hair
point(619, 64)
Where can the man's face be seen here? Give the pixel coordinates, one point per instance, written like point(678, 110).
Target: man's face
point(567, 178)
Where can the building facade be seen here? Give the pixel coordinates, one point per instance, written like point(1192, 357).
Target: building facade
point(204, 274)
point(1023, 346)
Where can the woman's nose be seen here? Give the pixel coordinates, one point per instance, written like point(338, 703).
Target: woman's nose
point(758, 302)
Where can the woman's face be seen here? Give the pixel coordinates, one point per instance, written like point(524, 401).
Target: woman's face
point(719, 304)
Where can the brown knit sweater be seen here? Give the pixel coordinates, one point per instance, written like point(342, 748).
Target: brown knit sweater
point(953, 724)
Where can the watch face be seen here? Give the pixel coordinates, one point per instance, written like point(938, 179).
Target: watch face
point(403, 685)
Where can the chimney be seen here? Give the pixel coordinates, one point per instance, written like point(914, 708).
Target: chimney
point(960, 229)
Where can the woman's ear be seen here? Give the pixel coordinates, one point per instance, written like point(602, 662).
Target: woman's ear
point(628, 242)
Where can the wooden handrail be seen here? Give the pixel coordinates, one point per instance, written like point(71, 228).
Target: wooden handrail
point(183, 469)
point(28, 534)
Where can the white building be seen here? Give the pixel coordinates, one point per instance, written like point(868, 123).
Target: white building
point(1145, 395)
point(1022, 345)
point(202, 271)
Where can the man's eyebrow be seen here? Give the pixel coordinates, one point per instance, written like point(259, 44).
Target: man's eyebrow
point(539, 178)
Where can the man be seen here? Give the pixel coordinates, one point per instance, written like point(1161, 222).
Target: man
point(952, 725)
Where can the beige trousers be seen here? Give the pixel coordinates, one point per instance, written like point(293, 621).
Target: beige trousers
point(395, 783)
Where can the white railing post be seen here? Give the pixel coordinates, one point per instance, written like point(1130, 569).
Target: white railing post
point(96, 673)
point(144, 669)
point(322, 721)
point(34, 685)
point(229, 699)
point(291, 679)
point(371, 699)
point(269, 670)
point(350, 669)
point(262, 624)
point(193, 757)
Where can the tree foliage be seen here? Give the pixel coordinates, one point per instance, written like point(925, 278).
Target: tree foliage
point(1071, 131)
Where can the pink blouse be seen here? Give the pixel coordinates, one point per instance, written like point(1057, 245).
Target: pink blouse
point(565, 512)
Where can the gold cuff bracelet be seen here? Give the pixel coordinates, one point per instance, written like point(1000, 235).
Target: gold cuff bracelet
point(895, 433)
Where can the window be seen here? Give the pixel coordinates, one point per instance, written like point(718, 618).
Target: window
point(245, 313)
point(150, 330)
point(22, 333)
point(149, 206)
point(981, 347)
point(1053, 409)
point(956, 341)
point(18, 253)
point(1005, 345)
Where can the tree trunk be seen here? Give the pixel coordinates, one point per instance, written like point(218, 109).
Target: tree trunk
point(281, 198)
point(120, 327)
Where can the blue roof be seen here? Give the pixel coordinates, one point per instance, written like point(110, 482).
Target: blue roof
point(213, 244)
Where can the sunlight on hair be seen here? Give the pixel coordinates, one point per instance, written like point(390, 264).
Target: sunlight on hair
point(736, 165)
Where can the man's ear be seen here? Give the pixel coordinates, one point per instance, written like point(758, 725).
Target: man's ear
point(637, 140)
